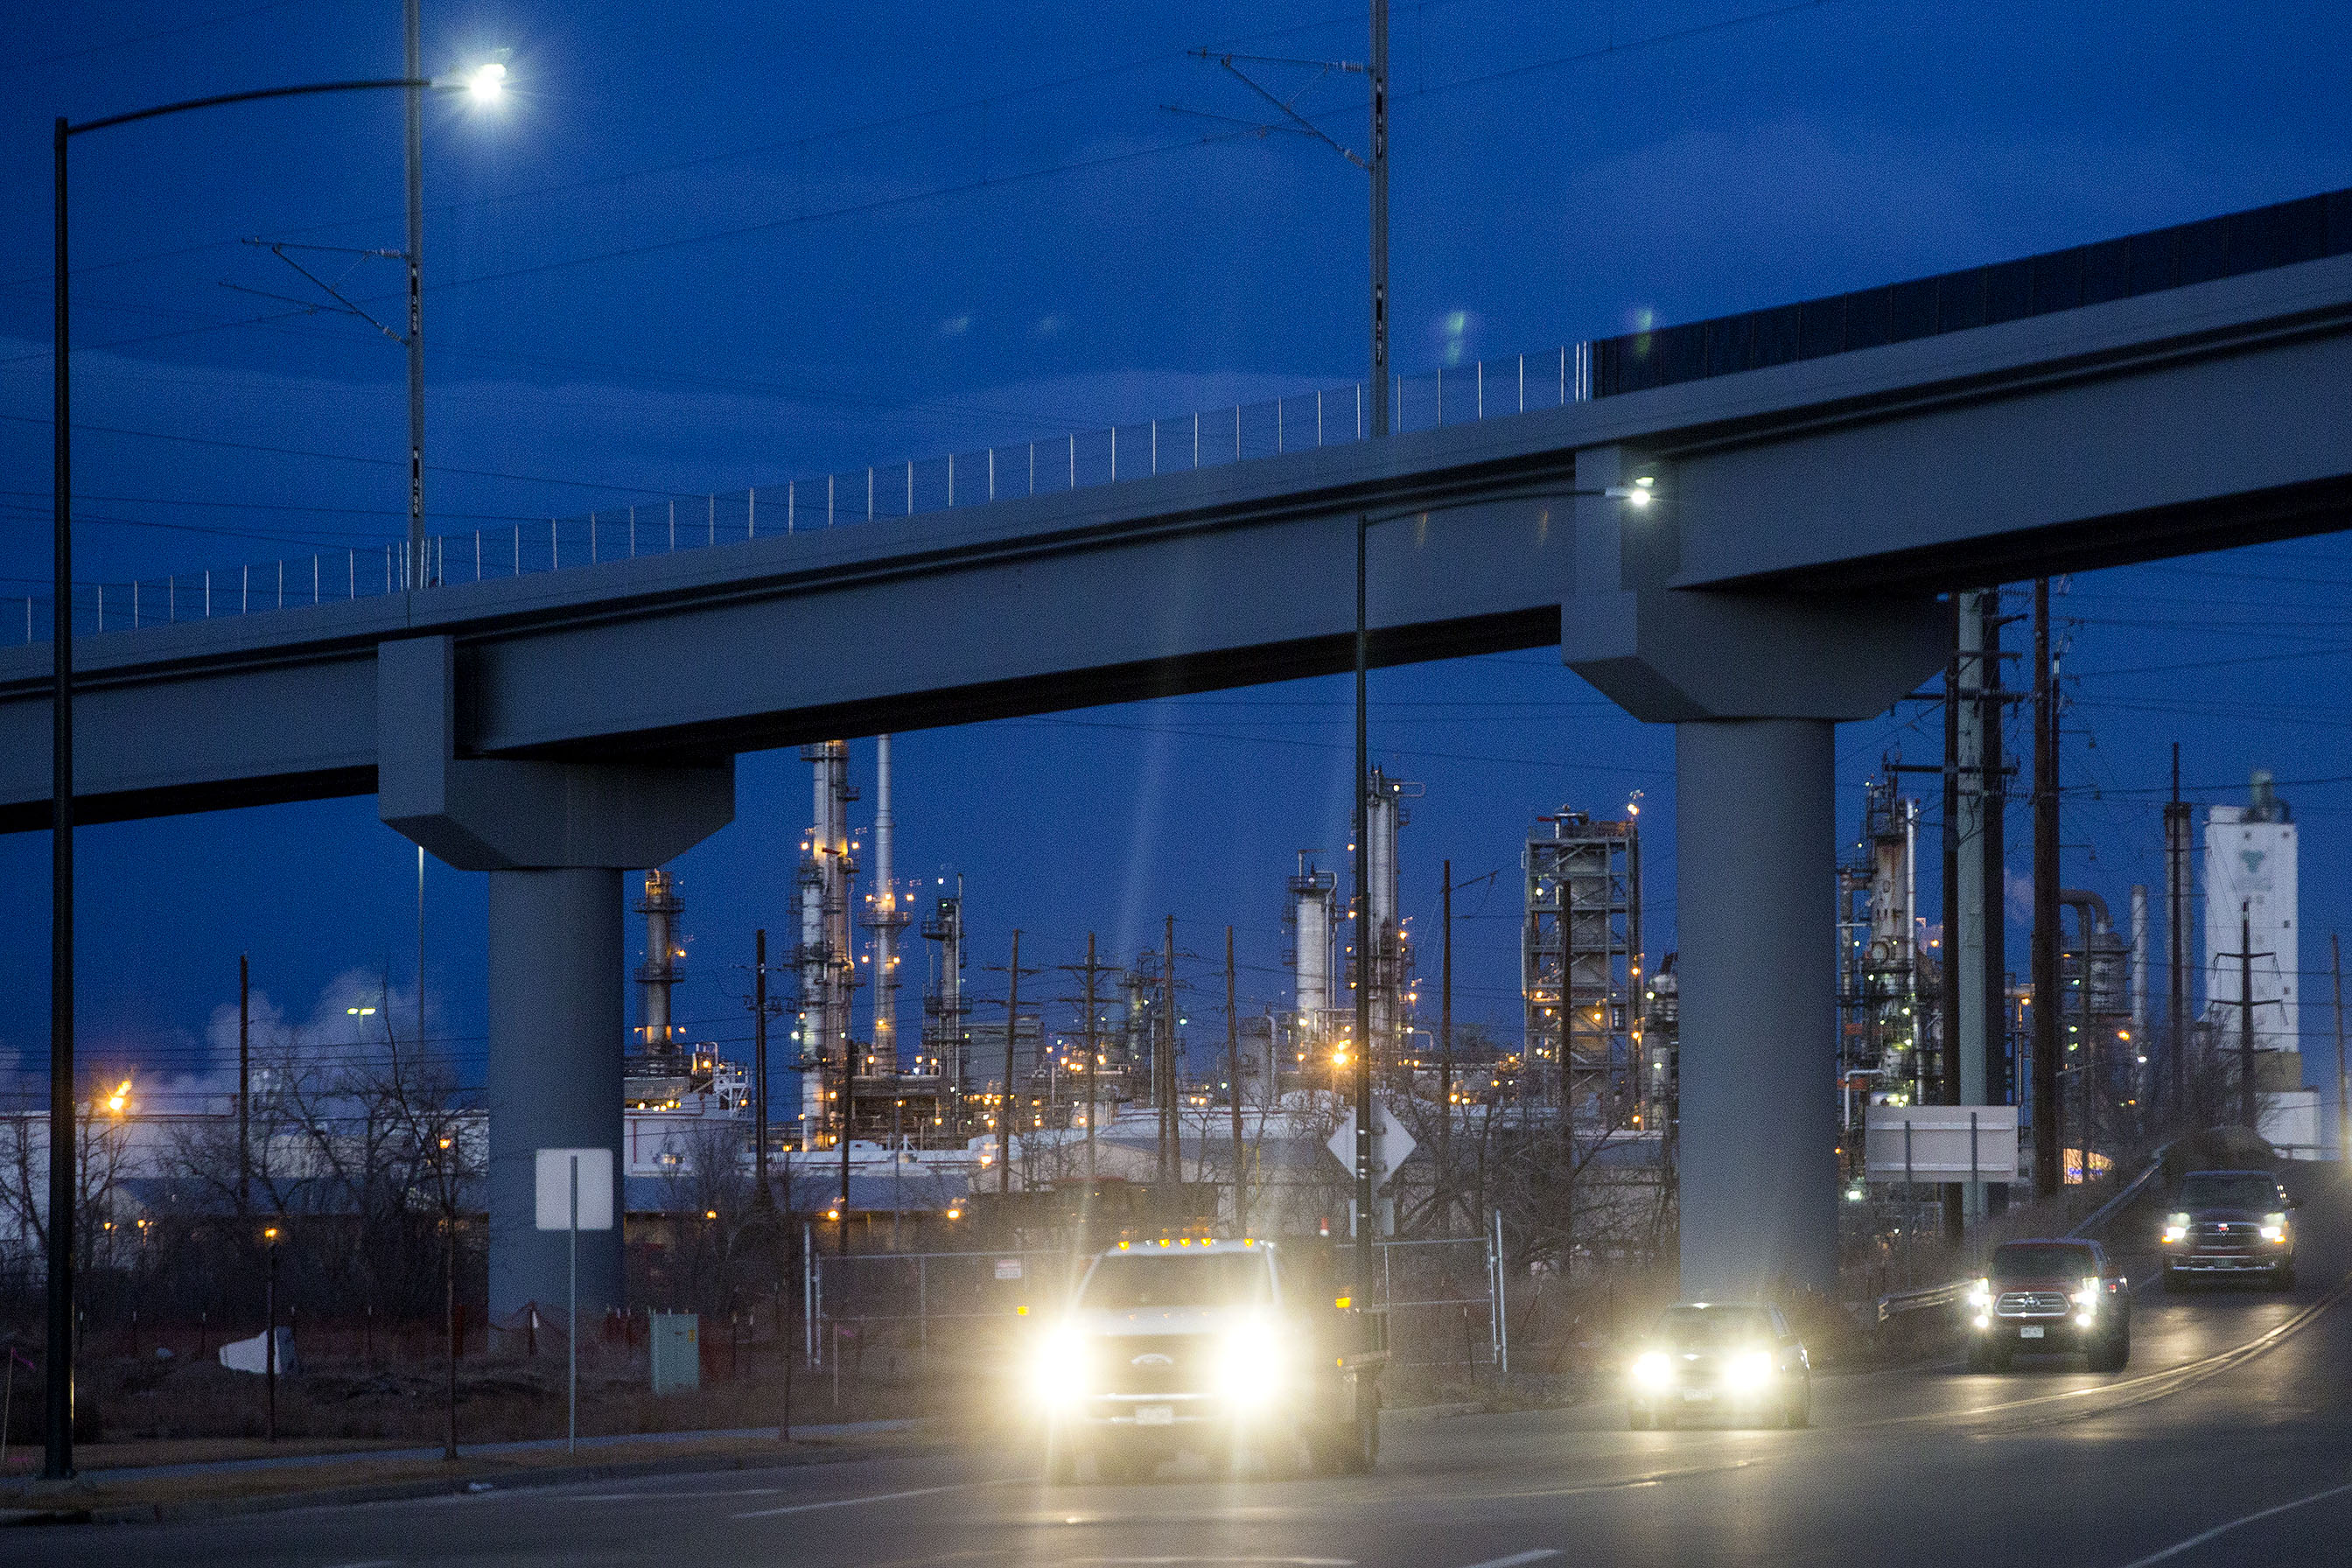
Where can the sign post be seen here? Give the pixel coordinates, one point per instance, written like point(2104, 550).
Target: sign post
point(566, 1176)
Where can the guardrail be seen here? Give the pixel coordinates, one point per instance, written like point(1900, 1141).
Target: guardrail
point(1895, 1303)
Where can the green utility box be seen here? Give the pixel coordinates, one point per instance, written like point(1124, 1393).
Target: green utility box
point(677, 1351)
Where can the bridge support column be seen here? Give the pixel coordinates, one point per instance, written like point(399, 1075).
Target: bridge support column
point(555, 838)
point(1754, 683)
point(557, 974)
point(1755, 838)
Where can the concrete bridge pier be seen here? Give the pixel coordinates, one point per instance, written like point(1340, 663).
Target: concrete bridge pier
point(555, 838)
point(1754, 684)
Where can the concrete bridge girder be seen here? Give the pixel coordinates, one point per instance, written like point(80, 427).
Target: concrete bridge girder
point(1754, 684)
point(555, 838)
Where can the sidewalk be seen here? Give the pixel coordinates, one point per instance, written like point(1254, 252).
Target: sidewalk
point(134, 1493)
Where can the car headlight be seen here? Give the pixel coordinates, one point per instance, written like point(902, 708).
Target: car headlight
point(2087, 1298)
point(2274, 1228)
point(1653, 1370)
point(1249, 1363)
point(2176, 1226)
point(1749, 1369)
point(1981, 1295)
point(1058, 1367)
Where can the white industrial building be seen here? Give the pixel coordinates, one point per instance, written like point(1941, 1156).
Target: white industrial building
point(2250, 898)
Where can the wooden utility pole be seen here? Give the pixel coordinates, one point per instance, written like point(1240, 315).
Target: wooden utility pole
point(1948, 974)
point(2048, 1131)
point(1233, 1093)
point(1171, 1150)
point(1094, 1060)
point(244, 1090)
point(2248, 1112)
point(2176, 935)
point(1445, 1047)
point(761, 1198)
point(2343, 1083)
point(1004, 1103)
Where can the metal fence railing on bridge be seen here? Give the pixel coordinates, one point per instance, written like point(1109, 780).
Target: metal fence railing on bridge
point(665, 523)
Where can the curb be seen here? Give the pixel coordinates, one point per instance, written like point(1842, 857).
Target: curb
point(1412, 1413)
point(473, 1483)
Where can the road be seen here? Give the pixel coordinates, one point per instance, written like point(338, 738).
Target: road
point(2236, 1409)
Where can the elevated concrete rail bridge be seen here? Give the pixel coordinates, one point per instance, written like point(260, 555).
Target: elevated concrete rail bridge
point(1824, 473)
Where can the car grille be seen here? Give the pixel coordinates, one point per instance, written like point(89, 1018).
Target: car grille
point(2030, 1303)
point(1704, 1371)
point(2226, 1235)
point(1154, 1363)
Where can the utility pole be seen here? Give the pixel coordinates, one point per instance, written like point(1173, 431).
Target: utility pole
point(2246, 1109)
point(2342, 1082)
point(1094, 1061)
point(2047, 1006)
point(2245, 1004)
point(1948, 973)
point(1234, 1092)
point(1445, 1043)
point(2175, 936)
point(244, 1090)
point(1171, 1148)
point(762, 1198)
point(1004, 1104)
point(2000, 1089)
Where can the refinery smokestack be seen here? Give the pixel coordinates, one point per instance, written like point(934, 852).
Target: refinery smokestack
point(827, 960)
point(1380, 960)
point(1309, 919)
point(885, 920)
point(664, 956)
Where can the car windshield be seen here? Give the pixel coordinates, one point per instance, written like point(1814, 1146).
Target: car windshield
point(1192, 1279)
point(2043, 1260)
point(2229, 1190)
point(1692, 1327)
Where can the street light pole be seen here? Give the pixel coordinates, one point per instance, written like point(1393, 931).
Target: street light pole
point(1377, 430)
point(416, 160)
point(57, 1411)
point(486, 83)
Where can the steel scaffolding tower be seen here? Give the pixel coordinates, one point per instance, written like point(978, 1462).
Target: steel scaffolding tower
point(1580, 967)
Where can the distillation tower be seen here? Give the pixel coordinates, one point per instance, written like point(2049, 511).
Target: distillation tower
point(885, 917)
point(947, 1034)
point(1309, 915)
point(1384, 950)
point(828, 960)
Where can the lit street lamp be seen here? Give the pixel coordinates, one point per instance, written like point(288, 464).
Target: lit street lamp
point(485, 83)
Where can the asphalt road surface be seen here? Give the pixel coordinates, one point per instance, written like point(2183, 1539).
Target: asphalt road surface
point(2228, 1440)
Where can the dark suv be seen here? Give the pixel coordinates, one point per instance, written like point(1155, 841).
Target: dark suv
point(2050, 1297)
point(2231, 1224)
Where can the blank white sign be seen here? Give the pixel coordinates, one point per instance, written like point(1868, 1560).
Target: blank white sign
point(1941, 1141)
point(555, 1188)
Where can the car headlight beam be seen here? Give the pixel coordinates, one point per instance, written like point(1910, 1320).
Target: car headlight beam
point(1057, 1368)
point(1249, 1364)
point(1749, 1370)
point(1652, 1370)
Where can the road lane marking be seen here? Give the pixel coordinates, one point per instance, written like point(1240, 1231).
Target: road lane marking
point(2220, 1530)
point(653, 1494)
point(856, 1502)
point(1177, 1562)
point(1517, 1558)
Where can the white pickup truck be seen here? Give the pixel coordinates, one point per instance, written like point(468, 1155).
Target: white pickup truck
point(1212, 1347)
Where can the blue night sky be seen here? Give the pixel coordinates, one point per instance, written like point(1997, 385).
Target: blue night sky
point(710, 246)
